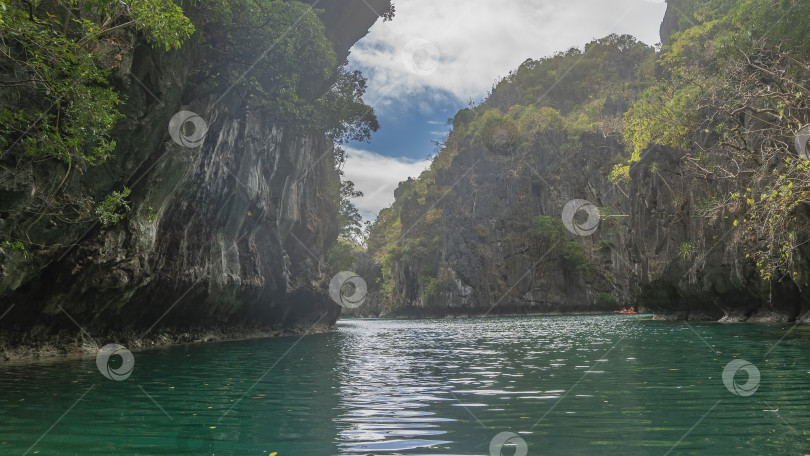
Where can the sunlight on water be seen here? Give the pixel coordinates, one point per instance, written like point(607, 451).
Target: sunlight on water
point(563, 385)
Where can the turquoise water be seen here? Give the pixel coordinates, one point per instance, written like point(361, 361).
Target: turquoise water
point(570, 385)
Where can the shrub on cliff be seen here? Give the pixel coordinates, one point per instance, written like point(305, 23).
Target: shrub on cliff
point(497, 131)
point(738, 74)
point(552, 237)
point(57, 101)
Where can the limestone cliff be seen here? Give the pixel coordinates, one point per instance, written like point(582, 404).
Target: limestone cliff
point(715, 281)
point(657, 147)
point(695, 256)
point(227, 236)
point(481, 231)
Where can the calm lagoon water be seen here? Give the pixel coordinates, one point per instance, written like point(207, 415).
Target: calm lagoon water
point(569, 385)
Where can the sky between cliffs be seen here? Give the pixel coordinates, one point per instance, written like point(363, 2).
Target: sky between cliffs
point(438, 55)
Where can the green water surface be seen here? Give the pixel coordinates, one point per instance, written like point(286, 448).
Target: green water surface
point(570, 385)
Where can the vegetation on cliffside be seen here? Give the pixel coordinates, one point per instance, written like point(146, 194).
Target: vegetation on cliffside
point(714, 117)
point(50, 55)
point(174, 166)
point(738, 74)
point(60, 96)
point(557, 107)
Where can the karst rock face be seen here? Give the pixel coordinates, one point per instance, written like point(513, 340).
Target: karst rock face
point(223, 233)
point(466, 247)
point(495, 266)
point(716, 281)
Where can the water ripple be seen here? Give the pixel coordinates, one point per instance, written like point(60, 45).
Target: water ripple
point(566, 385)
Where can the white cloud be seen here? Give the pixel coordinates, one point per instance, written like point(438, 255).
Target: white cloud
point(456, 49)
point(377, 177)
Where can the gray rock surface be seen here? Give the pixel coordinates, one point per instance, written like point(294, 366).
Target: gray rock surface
point(227, 237)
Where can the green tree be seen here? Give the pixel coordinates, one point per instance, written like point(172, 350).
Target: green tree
point(273, 54)
point(349, 219)
point(553, 237)
point(69, 107)
point(341, 112)
point(343, 256)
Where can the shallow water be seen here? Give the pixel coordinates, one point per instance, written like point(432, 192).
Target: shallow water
point(565, 385)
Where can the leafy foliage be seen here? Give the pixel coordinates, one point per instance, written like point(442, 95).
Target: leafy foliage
point(349, 219)
point(615, 65)
point(685, 251)
point(737, 71)
point(163, 22)
point(607, 298)
point(272, 54)
point(114, 208)
point(69, 108)
point(14, 246)
point(341, 112)
point(535, 120)
point(662, 115)
point(554, 239)
point(388, 14)
point(276, 56)
point(342, 256)
point(499, 133)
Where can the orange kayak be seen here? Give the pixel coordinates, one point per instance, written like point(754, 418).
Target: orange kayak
point(624, 312)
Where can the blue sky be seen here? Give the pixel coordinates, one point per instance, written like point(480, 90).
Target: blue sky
point(438, 55)
point(407, 132)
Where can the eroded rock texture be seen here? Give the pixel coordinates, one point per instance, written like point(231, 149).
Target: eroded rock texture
point(226, 236)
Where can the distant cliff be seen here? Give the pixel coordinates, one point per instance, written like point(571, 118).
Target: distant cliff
point(223, 229)
point(615, 176)
point(481, 231)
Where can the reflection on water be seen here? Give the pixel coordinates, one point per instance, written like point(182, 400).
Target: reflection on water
point(563, 385)
point(566, 385)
